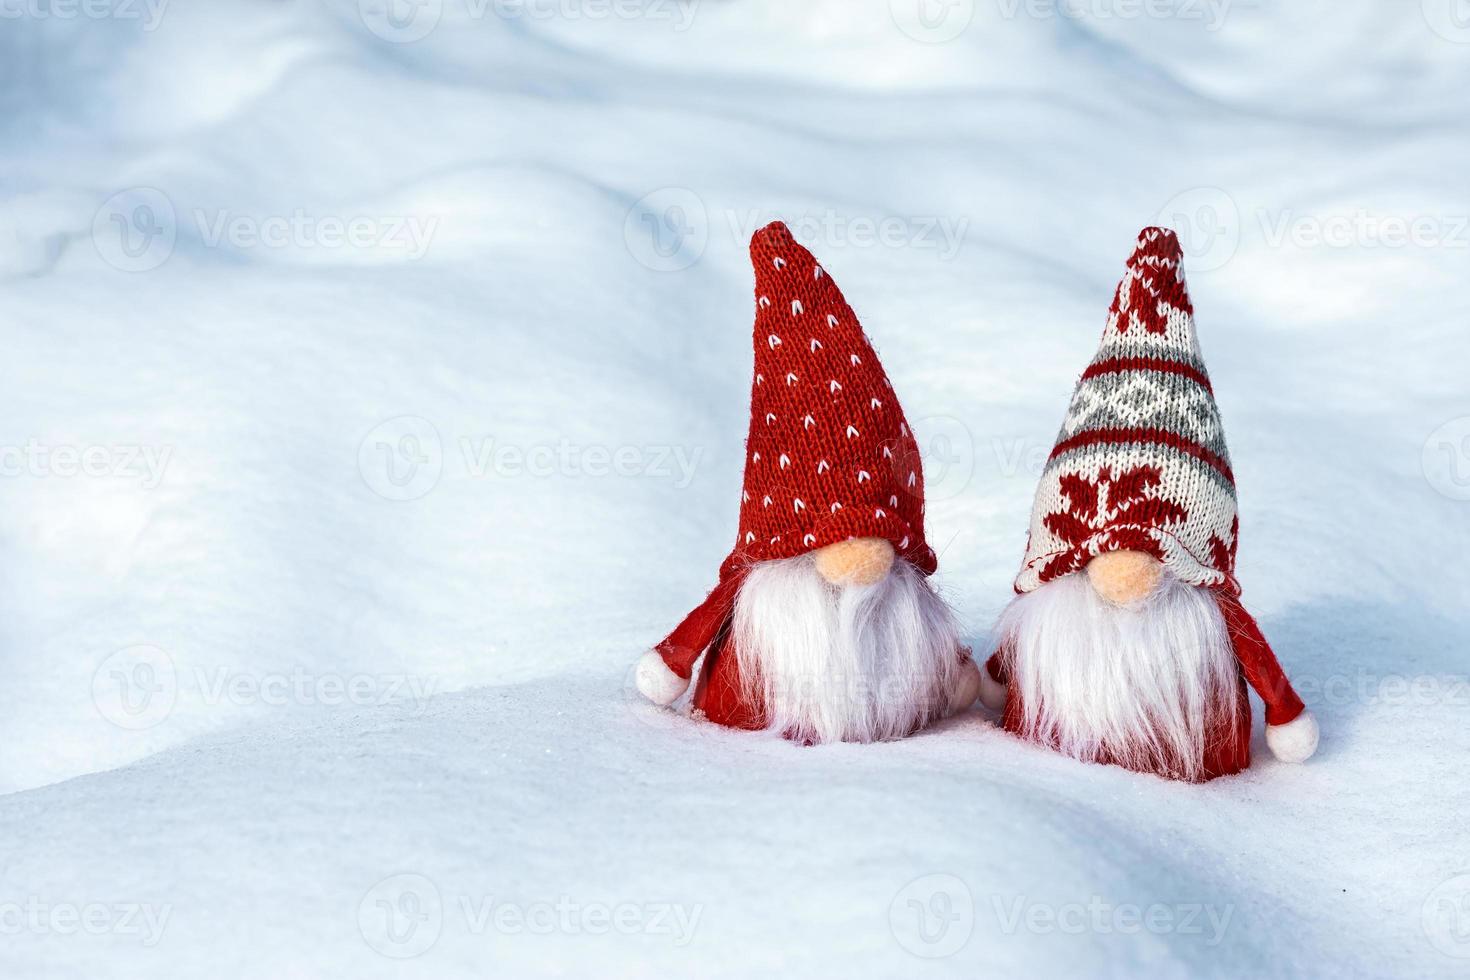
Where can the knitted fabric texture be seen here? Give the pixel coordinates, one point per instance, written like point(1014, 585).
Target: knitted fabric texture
point(829, 456)
point(1141, 462)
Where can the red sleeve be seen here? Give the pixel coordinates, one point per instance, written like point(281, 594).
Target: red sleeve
point(681, 648)
point(995, 667)
point(1259, 663)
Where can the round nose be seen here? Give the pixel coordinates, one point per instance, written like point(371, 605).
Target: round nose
point(1124, 577)
point(863, 561)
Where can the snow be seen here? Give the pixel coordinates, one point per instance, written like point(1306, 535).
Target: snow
point(338, 509)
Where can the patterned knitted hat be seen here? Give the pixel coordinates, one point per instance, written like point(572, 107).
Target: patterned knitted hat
point(1141, 462)
point(830, 455)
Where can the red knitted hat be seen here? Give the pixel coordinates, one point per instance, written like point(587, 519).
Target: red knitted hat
point(830, 455)
point(1141, 462)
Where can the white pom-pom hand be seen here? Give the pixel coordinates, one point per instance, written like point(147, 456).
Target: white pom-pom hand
point(1294, 741)
point(992, 692)
point(657, 682)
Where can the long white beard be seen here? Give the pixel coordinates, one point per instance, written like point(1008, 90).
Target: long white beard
point(1142, 686)
point(850, 664)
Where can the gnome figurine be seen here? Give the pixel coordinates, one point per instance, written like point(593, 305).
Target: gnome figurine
point(1127, 642)
point(824, 626)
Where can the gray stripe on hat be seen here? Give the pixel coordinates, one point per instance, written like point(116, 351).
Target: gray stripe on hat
point(1173, 403)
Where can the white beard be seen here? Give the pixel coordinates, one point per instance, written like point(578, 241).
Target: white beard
point(844, 664)
point(1142, 686)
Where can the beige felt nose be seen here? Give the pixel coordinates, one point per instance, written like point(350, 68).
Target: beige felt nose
point(862, 561)
point(1124, 577)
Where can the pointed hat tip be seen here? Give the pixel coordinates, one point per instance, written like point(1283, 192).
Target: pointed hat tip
point(1159, 243)
point(775, 233)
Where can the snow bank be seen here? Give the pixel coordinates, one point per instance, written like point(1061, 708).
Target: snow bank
point(372, 402)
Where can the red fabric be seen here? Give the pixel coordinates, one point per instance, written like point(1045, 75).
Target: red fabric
point(1228, 751)
point(829, 454)
point(681, 648)
point(1124, 365)
point(1156, 270)
point(718, 695)
point(1259, 663)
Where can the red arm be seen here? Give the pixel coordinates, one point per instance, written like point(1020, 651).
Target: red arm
point(681, 648)
point(1259, 663)
point(995, 666)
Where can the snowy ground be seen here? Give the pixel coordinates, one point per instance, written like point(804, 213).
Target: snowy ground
point(374, 391)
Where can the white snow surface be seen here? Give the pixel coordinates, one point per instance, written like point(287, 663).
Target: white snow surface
point(260, 719)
